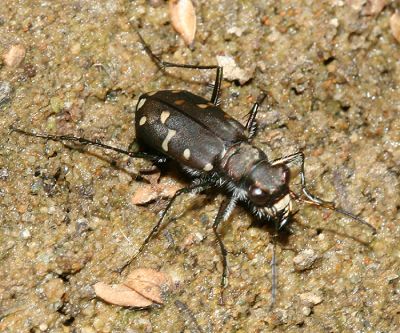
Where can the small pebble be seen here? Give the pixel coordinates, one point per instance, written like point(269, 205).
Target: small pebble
point(5, 92)
point(304, 260)
point(310, 299)
point(43, 327)
point(25, 234)
point(306, 310)
point(54, 289)
point(14, 56)
point(4, 174)
point(231, 70)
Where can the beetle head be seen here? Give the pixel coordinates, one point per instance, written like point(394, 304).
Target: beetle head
point(267, 188)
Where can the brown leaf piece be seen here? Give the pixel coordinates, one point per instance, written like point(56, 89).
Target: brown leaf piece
point(183, 18)
point(144, 194)
point(395, 26)
point(149, 283)
point(150, 192)
point(120, 294)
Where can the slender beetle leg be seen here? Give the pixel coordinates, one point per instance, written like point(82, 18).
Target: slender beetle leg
point(274, 268)
point(223, 214)
point(197, 188)
point(298, 159)
point(165, 64)
point(251, 124)
point(83, 141)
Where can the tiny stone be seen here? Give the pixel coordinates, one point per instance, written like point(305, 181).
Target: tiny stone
point(304, 260)
point(5, 92)
point(306, 310)
point(54, 289)
point(43, 327)
point(232, 71)
point(334, 22)
point(81, 225)
point(87, 329)
point(14, 56)
point(25, 234)
point(4, 174)
point(310, 299)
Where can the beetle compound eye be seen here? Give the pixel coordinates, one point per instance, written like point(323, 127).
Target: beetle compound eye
point(258, 196)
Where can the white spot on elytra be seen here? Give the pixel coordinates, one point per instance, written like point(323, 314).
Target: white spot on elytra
point(140, 104)
point(164, 116)
point(167, 139)
point(186, 153)
point(142, 121)
point(208, 167)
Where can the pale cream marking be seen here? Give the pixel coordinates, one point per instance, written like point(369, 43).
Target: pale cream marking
point(175, 91)
point(142, 121)
point(167, 139)
point(164, 116)
point(208, 167)
point(140, 104)
point(151, 93)
point(283, 203)
point(203, 106)
point(186, 153)
point(179, 101)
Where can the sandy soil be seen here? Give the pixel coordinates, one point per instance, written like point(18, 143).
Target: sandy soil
point(67, 220)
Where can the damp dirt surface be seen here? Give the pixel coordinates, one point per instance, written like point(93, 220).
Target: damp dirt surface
point(332, 72)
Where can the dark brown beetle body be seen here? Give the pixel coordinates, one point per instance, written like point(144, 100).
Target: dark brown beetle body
point(209, 143)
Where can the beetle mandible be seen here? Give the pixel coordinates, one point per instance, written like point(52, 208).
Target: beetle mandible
point(217, 151)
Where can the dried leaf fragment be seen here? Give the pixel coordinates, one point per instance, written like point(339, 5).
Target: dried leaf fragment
point(120, 294)
point(142, 288)
point(183, 18)
point(395, 25)
point(150, 192)
point(149, 283)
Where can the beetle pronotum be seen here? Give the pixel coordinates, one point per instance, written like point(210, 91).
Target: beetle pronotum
point(217, 151)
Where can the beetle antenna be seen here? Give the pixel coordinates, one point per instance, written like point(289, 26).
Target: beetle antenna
point(332, 206)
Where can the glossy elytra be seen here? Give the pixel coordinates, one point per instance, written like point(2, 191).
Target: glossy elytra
point(217, 151)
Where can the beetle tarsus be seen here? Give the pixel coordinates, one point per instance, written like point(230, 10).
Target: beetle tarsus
point(251, 124)
point(165, 64)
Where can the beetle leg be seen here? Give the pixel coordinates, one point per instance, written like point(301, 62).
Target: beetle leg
point(83, 141)
point(223, 214)
point(298, 159)
point(165, 64)
point(274, 282)
point(196, 188)
point(251, 124)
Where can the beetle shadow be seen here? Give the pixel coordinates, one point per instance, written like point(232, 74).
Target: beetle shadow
point(340, 234)
point(283, 234)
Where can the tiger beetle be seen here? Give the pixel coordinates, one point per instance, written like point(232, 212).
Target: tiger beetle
point(217, 152)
